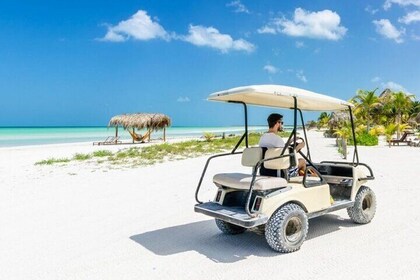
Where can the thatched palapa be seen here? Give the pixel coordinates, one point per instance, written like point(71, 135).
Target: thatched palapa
point(338, 118)
point(141, 120)
point(152, 122)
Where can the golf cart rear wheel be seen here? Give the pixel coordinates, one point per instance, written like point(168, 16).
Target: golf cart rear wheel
point(364, 207)
point(287, 228)
point(228, 228)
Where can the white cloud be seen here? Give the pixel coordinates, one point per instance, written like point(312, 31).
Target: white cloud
point(266, 30)
point(375, 79)
point(112, 36)
point(270, 69)
point(386, 29)
point(211, 37)
point(371, 10)
point(139, 27)
point(301, 76)
point(319, 25)
point(410, 17)
point(393, 86)
point(300, 44)
point(239, 7)
point(183, 99)
point(388, 3)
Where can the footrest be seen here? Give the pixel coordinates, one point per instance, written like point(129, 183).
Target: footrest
point(233, 215)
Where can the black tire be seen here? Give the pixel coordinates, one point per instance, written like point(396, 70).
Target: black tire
point(287, 228)
point(228, 228)
point(364, 207)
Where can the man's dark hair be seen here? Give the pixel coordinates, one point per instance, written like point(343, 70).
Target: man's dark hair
point(273, 119)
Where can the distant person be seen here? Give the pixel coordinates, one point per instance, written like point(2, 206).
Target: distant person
point(270, 139)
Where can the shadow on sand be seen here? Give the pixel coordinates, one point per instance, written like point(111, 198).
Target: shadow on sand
point(204, 238)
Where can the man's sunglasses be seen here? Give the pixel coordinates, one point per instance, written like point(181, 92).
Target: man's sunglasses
point(280, 122)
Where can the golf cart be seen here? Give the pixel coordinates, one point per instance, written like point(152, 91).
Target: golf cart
point(281, 206)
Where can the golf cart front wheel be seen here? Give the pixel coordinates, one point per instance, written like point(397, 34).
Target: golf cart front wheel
point(229, 228)
point(364, 207)
point(287, 228)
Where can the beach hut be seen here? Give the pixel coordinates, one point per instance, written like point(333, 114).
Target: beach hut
point(150, 121)
point(338, 118)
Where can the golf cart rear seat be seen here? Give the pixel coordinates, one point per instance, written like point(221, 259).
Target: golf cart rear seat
point(250, 158)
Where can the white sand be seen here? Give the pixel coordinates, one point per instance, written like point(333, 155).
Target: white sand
point(85, 222)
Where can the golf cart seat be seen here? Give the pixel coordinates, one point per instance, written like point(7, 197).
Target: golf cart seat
point(250, 158)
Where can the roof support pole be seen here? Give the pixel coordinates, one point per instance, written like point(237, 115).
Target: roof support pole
point(355, 154)
point(246, 126)
point(294, 121)
point(304, 133)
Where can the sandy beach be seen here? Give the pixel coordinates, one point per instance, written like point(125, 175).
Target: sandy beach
point(86, 221)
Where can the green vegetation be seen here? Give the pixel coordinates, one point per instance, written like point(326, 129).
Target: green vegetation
point(366, 102)
point(311, 125)
point(51, 161)
point(389, 131)
point(323, 120)
point(82, 156)
point(365, 139)
point(102, 153)
point(386, 114)
point(138, 156)
point(209, 136)
point(343, 134)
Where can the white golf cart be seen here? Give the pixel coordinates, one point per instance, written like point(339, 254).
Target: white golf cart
point(281, 206)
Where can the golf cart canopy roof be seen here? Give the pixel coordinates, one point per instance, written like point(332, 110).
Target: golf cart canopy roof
point(281, 97)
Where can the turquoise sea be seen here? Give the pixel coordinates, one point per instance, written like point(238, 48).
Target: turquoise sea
point(23, 136)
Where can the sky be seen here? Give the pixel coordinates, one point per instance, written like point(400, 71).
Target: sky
point(78, 63)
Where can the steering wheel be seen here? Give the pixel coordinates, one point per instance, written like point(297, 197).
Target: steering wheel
point(300, 143)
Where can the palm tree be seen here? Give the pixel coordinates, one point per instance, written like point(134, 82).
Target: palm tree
point(415, 108)
point(389, 131)
point(402, 103)
point(415, 112)
point(323, 119)
point(366, 101)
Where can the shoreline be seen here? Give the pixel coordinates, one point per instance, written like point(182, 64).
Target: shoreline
point(13, 137)
point(90, 143)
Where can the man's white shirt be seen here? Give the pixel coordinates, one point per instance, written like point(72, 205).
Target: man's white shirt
point(271, 140)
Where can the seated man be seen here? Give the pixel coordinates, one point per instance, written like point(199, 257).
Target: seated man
point(270, 139)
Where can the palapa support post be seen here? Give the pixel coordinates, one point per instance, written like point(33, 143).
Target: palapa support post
point(133, 134)
point(116, 134)
point(164, 134)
